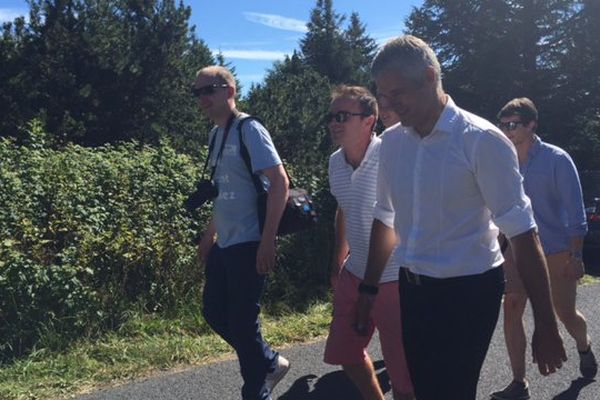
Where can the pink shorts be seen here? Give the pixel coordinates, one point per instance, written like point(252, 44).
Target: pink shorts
point(345, 347)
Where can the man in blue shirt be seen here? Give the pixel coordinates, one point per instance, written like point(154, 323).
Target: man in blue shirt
point(552, 184)
point(236, 253)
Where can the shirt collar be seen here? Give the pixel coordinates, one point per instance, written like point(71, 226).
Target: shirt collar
point(446, 121)
point(370, 148)
point(535, 147)
point(448, 117)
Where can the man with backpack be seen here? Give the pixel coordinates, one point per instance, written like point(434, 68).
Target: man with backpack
point(237, 255)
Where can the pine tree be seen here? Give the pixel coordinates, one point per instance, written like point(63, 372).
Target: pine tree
point(106, 70)
point(361, 50)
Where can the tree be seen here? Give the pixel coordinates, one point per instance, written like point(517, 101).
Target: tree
point(343, 56)
point(292, 102)
point(493, 51)
point(106, 70)
point(323, 46)
point(579, 83)
point(361, 49)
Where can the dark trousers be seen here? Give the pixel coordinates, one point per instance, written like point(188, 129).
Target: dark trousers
point(231, 298)
point(447, 326)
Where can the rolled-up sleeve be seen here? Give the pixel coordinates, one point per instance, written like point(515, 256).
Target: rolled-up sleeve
point(497, 174)
point(569, 188)
point(384, 208)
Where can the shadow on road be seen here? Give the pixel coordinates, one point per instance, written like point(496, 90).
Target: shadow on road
point(334, 385)
point(572, 393)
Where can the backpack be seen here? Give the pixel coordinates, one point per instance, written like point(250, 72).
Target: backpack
point(299, 213)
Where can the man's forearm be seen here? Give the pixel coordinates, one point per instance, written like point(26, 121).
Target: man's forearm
point(531, 264)
point(341, 247)
point(381, 245)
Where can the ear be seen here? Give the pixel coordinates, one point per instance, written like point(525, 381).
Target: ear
point(430, 74)
point(231, 92)
point(370, 121)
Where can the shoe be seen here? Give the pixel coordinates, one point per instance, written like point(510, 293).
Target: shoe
point(514, 391)
point(276, 375)
point(588, 364)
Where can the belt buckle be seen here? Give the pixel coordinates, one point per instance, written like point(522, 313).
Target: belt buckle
point(412, 278)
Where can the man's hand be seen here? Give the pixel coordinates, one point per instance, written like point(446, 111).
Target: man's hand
point(208, 240)
point(547, 348)
point(364, 304)
point(265, 257)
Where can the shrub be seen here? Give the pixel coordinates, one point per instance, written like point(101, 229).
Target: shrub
point(86, 233)
point(89, 235)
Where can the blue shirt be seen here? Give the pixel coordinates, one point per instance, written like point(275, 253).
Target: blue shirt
point(552, 183)
point(234, 213)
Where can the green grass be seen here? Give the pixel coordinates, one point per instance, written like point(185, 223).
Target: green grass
point(142, 346)
point(589, 280)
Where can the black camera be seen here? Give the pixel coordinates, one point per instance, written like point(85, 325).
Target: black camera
point(205, 191)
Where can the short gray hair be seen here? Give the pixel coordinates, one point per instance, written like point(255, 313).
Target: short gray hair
point(410, 56)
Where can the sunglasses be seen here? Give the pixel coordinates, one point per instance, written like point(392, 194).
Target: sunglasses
point(509, 126)
point(342, 116)
point(207, 90)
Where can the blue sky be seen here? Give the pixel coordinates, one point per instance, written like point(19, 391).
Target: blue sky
point(252, 34)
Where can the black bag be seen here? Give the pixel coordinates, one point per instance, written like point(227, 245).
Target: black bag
point(299, 213)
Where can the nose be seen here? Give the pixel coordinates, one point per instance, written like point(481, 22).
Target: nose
point(384, 102)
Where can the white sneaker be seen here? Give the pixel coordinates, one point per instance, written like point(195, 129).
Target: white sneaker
point(279, 371)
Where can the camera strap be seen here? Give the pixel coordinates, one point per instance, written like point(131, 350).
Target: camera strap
point(211, 145)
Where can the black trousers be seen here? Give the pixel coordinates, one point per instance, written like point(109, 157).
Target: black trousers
point(231, 299)
point(447, 326)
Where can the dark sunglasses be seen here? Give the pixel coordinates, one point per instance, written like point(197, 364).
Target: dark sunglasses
point(342, 116)
point(509, 126)
point(207, 90)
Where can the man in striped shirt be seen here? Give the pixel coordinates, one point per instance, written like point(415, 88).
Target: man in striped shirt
point(353, 180)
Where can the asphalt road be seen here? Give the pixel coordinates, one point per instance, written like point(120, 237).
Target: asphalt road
point(311, 379)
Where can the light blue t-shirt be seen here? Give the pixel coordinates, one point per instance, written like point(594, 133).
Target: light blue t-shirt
point(552, 184)
point(234, 213)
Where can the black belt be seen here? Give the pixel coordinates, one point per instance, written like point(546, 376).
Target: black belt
point(417, 279)
point(424, 280)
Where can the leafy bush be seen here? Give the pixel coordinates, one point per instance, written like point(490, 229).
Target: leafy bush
point(90, 235)
point(86, 233)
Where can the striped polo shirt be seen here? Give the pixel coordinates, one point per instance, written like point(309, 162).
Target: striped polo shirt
point(355, 192)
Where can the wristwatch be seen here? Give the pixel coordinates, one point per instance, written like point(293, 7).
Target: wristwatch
point(368, 289)
point(578, 255)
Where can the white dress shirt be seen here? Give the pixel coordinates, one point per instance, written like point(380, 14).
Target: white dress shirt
point(444, 194)
point(355, 192)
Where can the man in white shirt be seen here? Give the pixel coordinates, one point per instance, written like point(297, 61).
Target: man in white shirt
point(447, 180)
point(353, 181)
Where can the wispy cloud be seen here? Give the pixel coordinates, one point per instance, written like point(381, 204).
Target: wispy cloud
point(383, 36)
point(251, 77)
point(253, 54)
point(245, 44)
point(9, 14)
point(277, 21)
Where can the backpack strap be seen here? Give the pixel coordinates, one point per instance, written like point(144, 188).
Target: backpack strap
point(246, 156)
